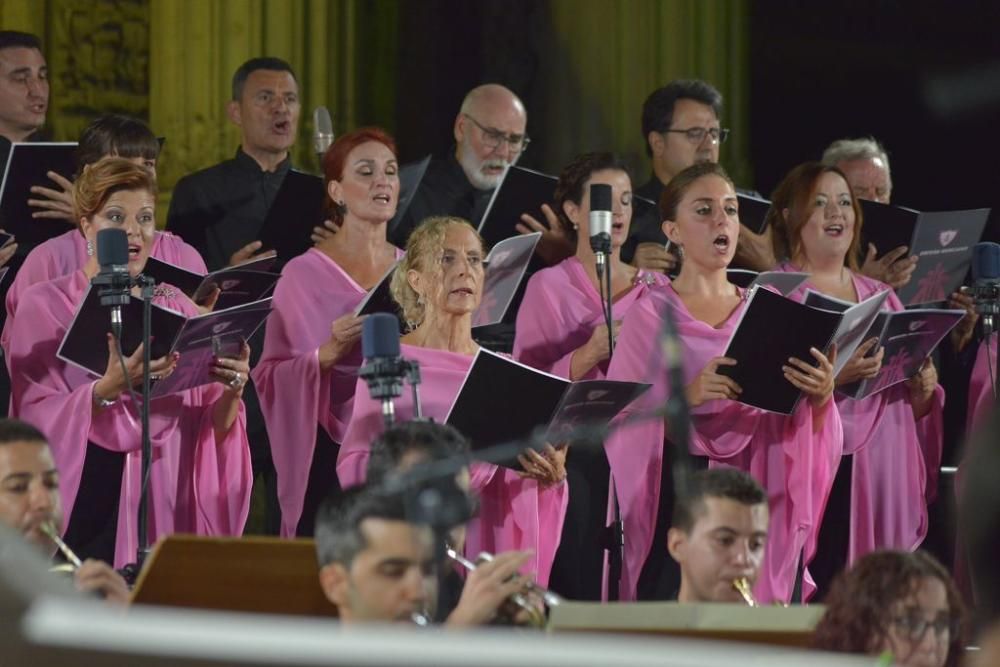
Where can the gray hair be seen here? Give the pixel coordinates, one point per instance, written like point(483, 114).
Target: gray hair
point(338, 522)
point(862, 148)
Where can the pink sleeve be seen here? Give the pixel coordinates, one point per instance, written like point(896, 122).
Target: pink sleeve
point(635, 446)
point(930, 433)
point(172, 248)
point(982, 383)
point(812, 455)
point(288, 382)
point(222, 473)
point(514, 513)
point(536, 343)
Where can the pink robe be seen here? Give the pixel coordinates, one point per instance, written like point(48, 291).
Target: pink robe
point(792, 461)
point(66, 253)
point(896, 459)
point(198, 485)
point(560, 311)
point(981, 399)
point(514, 513)
point(295, 395)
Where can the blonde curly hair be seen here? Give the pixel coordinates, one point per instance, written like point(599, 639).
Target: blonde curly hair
point(424, 244)
point(103, 178)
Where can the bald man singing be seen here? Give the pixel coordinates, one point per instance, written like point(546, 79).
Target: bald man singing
point(489, 135)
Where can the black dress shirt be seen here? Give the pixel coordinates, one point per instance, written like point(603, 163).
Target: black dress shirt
point(220, 209)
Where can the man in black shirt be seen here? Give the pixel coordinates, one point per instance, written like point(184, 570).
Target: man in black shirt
point(221, 210)
point(24, 99)
point(489, 136)
point(24, 89)
point(680, 124)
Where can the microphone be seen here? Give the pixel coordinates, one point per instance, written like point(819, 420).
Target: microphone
point(322, 131)
point(985, 288)
point(384, 368)
point(113, 279)
point(600, 223)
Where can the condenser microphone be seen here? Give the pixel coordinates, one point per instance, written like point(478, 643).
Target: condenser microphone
point(600, 223)
point(384, 368)
point(985, 289)
point(322, 131)
point(113, 280)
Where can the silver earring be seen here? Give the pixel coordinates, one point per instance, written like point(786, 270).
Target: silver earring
point(90, 248)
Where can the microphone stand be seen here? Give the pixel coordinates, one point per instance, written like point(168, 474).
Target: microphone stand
point(146, 286)
point(616, 546)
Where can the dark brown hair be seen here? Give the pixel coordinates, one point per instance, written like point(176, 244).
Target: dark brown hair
point(678, 186)
point(795, 194)
point(114, 134)
point(574, 176)
point(859, 605)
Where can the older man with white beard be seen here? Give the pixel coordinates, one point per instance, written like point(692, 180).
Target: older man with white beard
point(490, 136)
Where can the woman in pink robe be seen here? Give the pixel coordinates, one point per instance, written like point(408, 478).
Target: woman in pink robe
point(200, 476)
point(794, 457)
point(561, 329)
point(439, 285)
point(306, 376)
point(110, 135)
point(893, 437)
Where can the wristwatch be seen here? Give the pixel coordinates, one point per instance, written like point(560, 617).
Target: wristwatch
point(100, 402)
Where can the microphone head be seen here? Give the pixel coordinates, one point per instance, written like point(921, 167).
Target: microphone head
point(112, 248)
point(322, 129)
point(600, 197)
point(380, 336)
point(986, 262)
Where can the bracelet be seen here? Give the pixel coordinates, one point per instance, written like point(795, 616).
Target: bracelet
point(101, 402)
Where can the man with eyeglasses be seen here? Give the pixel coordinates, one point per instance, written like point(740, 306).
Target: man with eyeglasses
point(490, 136)
point(680, 124)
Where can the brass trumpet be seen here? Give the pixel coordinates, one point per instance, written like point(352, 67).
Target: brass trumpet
point(742, 587)
point(536, 614)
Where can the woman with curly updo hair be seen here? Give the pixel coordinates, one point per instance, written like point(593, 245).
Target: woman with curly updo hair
point(200, 476)
point(561, 329)
point(898, 602)
point(439, 284)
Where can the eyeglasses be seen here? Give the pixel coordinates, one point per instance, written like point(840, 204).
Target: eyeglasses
point(493, 137)
point(915, 627)
point(696, 135)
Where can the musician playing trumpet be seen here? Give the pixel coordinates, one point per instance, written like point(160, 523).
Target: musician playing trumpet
point(718, 536)
point(29, 504)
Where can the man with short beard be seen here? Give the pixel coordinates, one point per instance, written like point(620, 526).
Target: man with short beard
point(489, 135)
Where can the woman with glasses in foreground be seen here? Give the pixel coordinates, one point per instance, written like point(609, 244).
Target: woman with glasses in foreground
point(895, 602)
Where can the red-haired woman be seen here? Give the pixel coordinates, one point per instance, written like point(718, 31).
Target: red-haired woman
point(308, 370)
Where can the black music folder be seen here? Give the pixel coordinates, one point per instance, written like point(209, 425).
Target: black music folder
point(773, 328)
point(296, 209)
point(238, 285)
point(908, 336)
point(197, 339)
point(941, 240)
point(785, 282)
point(28, 166)
point(753, 212)
point(503, 400)
point(410, 177)
point(521, 191)
point(505, 268)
